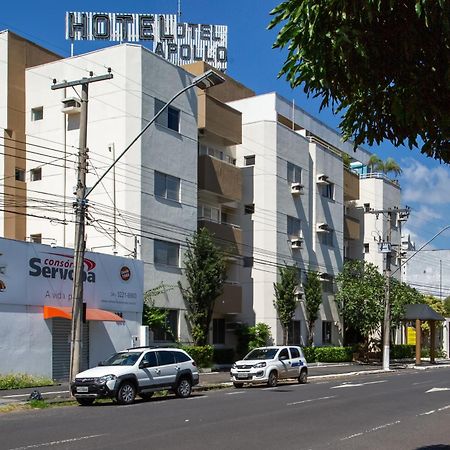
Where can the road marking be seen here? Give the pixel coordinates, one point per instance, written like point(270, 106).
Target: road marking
point(235, 393)
point(27, 395)
point(372, 430)
point(357, 384)
point(197, 397)
point(63, 441)
point(437, 390)
point(434, 411)
point(310, 400)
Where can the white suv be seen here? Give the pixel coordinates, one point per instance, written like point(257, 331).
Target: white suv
point(141, 371)
point(269, 364)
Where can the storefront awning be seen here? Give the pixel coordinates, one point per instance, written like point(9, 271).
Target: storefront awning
point(91, 314)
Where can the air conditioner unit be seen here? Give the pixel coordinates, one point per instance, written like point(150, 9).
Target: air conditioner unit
point(71, 105)
point(323, 228)
point(297, 242)
point(322, 179)
point(323, 276)
point(299, 293)
point(297, 188)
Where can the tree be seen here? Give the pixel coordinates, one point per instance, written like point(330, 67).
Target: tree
point(390, 165)
point(205, 270)
point(401, 294)
point(313, 299)
point(360, 297)
point(382, 64)
point(285, 302)
point(375, 163)
point(447, 307)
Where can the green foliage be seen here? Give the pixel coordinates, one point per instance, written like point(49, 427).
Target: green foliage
point(205, 270)
point(20, 381)
point(438, 305)
point(382, 64)
point(402, 351)
point(401, 294)
point(328, 354)
point(223, 355)
point(285, 302)
point(249, 338)
point(360, 296)
point(38, 404)
point(313, 299)
point(201, 354)
point(447, 307)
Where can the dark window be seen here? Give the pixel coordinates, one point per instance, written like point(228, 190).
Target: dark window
point(150, 358)
point(326, 332)
point(165, 358)
point(294, 226)
point(166, 253)
point(249, 160)
point(327, 238)
point(247, 261)
point(366, 207)
point(366, 248)
point(327, 190)
point(168, 332)
point(294, 173)
point(294, 352)
point(20, 174)
point(37, 113)
point(284, 353)
point(36, 174)
point(218, 331)
point(181, 357)
point(167, 186)
point(294, 333)
point(169, 118)
point(249, 209)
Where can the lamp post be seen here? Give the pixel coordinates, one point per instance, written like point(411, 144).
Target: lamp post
point(203, 81)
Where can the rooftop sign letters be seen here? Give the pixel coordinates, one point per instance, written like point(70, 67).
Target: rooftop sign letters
point(178, 42)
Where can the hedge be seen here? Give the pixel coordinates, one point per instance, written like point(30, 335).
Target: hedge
point(202, 355)
point(402, 351)
point(328, 354)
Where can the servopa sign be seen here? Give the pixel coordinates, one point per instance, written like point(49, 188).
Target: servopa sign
point(178, 42)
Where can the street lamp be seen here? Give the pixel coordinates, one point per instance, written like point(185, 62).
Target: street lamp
point(203, 81)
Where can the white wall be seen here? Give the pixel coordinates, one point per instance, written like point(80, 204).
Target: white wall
point(3, 107)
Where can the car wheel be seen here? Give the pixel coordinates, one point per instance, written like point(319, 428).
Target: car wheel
point(303, 377)
point(146, 395)
point(184, 388)
point(238, 385)
point(273, 379)
point(85, 401)
point(126, 393)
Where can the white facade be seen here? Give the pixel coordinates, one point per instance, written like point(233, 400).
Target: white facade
point(118, 110)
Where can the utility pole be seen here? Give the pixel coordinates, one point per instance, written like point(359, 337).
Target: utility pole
point(385, 247)
point(80, 206)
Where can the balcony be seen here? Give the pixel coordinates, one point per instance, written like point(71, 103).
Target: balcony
point(230, 302)
point(220, 178)
point(228, 237)
point(219, 120)
point(351, 185)
point(352, 228)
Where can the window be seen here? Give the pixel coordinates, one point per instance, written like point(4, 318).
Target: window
point(366, 248)
point(166, 253)
point(247, 261)
point(169, 118)
point(218, 331)
point(294, 226)
point(294, 334)
point(326, 332)
point(294, 352)
point(327, 238)
point(207, 212)
point(165, 358)
point(168, 332)
point(167, 186)
point(249, 160)
point(36, 174)
point(20, 174)
point(37, 113)
point(294, 173)
point(249, 209)
point(36, 238)
point(366, 207)
point(283, 354)
point(150, 359)
point(327, 190)
point(328, 285)
point(181, 357)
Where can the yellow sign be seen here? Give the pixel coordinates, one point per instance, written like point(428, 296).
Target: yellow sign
point(411, 337)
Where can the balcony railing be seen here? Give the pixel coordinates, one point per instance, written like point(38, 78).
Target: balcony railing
point(228, 237)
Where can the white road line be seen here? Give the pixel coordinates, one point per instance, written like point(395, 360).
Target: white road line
point(357, 384)
point(434, 411)
point(380, 427)
point(63, 441)
point(197, 397)
point(310, 400)
point(27, 395)
point(235, 393)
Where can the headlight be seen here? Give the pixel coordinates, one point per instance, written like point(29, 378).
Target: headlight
point(261, 364)
point(105, 379)
point(233, 366)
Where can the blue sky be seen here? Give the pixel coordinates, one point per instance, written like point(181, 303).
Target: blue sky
point(253, 62)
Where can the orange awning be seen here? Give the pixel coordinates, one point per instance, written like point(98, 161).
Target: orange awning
point(91, 314)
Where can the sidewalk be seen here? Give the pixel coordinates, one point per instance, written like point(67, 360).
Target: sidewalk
point(210, 380)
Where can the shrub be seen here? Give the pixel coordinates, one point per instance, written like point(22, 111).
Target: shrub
point(328, 354)
point(21, 380)
point(310, 354)
point(223, 356)
point(202, 355)
point(402, 351)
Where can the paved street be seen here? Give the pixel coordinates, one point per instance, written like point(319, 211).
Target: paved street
point(400, 410)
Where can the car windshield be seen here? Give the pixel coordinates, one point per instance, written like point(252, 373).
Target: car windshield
point(262, 353)
point(122, 359)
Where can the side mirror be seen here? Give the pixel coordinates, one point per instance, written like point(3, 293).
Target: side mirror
point(283, 358)
point(144, 365)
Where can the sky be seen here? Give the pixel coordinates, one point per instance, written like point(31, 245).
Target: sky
point(253, 62)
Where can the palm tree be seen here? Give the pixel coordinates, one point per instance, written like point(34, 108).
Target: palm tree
point(390, 165)
point(375, 163)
